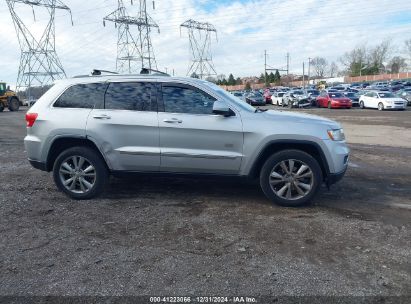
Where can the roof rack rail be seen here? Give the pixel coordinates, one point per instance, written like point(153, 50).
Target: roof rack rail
point(145, 71)
point(96, 72)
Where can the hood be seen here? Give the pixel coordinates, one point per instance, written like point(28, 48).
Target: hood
point(300, 118)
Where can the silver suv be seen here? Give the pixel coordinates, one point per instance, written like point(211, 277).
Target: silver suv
point(84, 129)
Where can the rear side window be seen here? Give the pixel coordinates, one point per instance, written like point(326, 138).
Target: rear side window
point(81, 96)
point(134, 96)
point(187, 100)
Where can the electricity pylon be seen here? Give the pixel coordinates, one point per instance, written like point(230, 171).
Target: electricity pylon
point(199, 34)
point(39, 63)
point(134, 51)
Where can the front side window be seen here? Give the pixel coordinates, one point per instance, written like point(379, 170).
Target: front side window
point(133, 96)
point(187, 100)
point(81, 96)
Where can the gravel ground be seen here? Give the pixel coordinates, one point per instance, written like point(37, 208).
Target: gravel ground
point(178, 236)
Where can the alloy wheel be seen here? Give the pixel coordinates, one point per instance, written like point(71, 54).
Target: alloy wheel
point(77, 174)
point(291, 179)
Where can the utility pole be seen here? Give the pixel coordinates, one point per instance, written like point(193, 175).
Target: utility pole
point(309, 65)
point(199, 34)
point(265, 66)
point(288, 63)
point(303, 76)
point(134, 52)
point(39, 63)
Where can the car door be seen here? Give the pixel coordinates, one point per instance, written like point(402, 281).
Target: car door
point(192, 138)
point(125, 126)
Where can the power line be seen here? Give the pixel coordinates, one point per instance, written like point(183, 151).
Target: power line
point(199, 34)
point(134, 52)
point(39, 63)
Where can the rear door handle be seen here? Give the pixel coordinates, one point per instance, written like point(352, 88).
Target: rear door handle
point(101, 116)
point(172, 120)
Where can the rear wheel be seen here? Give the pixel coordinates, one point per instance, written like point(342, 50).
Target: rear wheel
point(290, 178)
point(1, 107)
point(80, 173)
point(14, 104)
point(380, 106)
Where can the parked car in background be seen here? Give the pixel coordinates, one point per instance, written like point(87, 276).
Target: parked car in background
point(277, 98)
point(312, 96)
point(333, 100)
point(296, 99)
point(355, 98)
point(254, 99)
point(238, 94)
point(267, 96)
point(382, 101)
point(405, 94)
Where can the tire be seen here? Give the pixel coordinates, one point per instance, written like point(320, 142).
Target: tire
point(272, 186)
point(1, 107)
point(65, 167)
point(329, 105)
point(278, 104)
point(362, 104)
point(380, 106)
point(14, 104)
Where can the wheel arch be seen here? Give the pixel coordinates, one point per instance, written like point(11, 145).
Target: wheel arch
point(62, 143)
point(310, 147)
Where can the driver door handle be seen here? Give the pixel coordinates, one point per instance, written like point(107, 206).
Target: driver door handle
point(172, 120)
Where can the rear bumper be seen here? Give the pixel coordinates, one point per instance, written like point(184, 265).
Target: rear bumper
point(38, 165)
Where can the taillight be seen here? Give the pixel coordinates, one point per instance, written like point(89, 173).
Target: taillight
point(30, 119)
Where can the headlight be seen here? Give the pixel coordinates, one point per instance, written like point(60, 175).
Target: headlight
point(337, 134)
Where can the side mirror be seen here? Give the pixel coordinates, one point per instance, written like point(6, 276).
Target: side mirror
point(221, 108)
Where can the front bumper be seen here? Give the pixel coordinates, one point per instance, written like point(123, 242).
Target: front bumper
point(333, 178)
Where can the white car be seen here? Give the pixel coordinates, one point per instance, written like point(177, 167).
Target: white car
point(382, 101)
point(277, 98)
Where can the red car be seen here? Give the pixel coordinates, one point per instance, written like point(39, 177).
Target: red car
point(333, 100)
point(267, 96)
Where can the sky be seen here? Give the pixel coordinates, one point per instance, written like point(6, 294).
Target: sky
point(245, 28)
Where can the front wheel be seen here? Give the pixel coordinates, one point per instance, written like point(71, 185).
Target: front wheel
point(380, 106)
point(290, 178)
point(362, 104)
point(329, 105)
point(80, 172)
point(14, 104)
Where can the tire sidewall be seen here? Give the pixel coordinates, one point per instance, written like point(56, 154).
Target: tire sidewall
point(95, 159)
point(13, 107)
point(285, 155)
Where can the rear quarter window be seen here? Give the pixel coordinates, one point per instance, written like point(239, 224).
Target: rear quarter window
point(84, 96)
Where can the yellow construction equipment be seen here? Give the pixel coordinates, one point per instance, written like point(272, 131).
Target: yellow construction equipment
point(8, 98)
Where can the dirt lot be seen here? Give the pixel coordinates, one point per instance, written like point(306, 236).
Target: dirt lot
point(167, 236)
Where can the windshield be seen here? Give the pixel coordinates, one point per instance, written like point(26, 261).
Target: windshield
point(336, 95)
point(314, 92)
point(298, 92)
point(386, 95)
point(225, 95)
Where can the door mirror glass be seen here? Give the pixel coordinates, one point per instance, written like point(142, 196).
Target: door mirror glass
point(221, 108)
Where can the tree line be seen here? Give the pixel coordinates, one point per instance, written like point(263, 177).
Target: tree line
point(365, 60)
